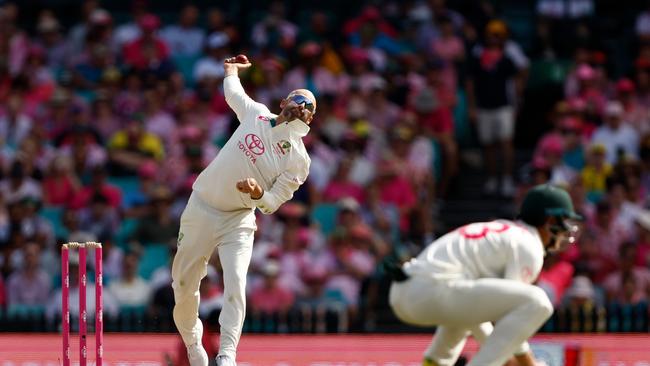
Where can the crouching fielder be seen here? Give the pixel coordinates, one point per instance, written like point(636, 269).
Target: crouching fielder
point(481, 274)
point(261, 166)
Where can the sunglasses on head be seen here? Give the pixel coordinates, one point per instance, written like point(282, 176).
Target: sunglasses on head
point(301, 99)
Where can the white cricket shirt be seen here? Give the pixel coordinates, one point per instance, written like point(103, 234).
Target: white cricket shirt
point(496, 249)
point(272, 154)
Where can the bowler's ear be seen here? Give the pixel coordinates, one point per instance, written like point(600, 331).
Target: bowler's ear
point(283, 103)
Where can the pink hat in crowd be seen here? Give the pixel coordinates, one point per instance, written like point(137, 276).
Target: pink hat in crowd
point(149, 22)
point(551, 144)
point(148, 170)
point(625, 85)
point(585, 72)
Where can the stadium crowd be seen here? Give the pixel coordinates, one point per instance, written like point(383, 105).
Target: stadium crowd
point(105, 124)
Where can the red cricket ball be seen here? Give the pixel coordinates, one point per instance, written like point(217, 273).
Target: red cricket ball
point(241, 59)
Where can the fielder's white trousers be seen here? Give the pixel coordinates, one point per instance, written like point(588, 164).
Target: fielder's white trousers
point(203, 229)
point(461, 307)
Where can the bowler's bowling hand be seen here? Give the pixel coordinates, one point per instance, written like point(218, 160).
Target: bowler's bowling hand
point(250, 186)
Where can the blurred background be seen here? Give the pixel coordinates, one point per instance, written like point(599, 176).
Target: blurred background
point(110, 109)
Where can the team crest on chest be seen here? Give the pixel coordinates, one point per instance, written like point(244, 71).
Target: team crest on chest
point(282, 147)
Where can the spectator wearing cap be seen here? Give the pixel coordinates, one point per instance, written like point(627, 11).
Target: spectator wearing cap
point(274, 32)
point(551, 149)
point(618, 137)
point(309, 74)
point(158, 226)
point(596, 171)
point(630, 284)
point(581, 293)
point(185, 38)
point(147, 52)
point(585, 83)
point(132, 146)
point(211, 66)
point(30, 285)
point(271, 299)
point(491, 71)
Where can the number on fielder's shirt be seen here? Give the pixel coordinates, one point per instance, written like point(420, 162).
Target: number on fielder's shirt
point(496, 249)
point(481, 229)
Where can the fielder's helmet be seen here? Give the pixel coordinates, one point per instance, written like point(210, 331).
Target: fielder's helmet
point(544, 201)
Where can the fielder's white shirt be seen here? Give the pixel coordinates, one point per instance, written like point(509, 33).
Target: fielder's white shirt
point(496, 249)
point(274, 155)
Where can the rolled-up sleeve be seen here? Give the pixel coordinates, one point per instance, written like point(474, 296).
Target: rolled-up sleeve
point(283, 188)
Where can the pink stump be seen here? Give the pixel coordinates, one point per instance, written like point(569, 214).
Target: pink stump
point(65, 305)
point(99, 308)
point(83, 352)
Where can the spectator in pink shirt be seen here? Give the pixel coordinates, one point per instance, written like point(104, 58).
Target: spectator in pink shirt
point(60, 185)
point(449, 48)
point(100, 186)
point(271, 299)
point(340, 186)
point(630, 284)
point(156, 119)
point(148, 52)
point(392, 189)
point(608, 232)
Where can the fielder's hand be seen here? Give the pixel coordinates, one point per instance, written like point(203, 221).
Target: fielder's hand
point(232, 65)
point(250, 186)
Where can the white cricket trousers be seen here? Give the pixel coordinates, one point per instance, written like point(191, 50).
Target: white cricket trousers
point(460, 307)
point(202, 229)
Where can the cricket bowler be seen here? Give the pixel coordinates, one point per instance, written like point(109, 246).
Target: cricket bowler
point(261, 166)
point(481, 274)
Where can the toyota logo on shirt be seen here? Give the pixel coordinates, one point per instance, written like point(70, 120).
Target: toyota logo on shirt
point(254, 144)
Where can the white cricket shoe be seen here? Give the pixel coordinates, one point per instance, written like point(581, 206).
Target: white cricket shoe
point(197, 355)
point(223, 360)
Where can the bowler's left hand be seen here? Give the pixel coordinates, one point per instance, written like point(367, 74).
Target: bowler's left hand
point(250, 186)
